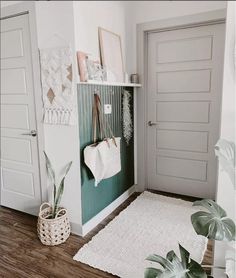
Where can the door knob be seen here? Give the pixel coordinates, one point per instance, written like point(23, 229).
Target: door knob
point(150, 123)
point(31, 133)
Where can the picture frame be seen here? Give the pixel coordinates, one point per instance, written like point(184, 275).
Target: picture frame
point(95, 70)
point(90, 69)
point(82, 65)
point(111, 55)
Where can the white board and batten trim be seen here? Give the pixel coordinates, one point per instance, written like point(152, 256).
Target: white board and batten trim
point(182, 22)
point(92, 223)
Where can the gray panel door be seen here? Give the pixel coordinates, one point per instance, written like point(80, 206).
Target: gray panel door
point(185, 69)
point(20, 180)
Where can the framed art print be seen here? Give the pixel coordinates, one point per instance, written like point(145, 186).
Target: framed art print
point(111, 55)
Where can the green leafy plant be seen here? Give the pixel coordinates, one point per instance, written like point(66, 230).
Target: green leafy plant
point(174, 267)
point(213, 224)
point(57, 191)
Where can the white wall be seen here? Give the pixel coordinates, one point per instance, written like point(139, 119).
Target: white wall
point(61, 142)
point(226, 195)
point(89, 15)
point(145, 11)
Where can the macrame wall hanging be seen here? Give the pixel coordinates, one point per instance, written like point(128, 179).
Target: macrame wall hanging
point(56, 76)
point(127, 117)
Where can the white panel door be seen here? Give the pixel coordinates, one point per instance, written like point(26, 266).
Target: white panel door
point(185, 69)
point(20, 180)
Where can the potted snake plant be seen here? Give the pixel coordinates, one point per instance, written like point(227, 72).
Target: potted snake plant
point(53, 222)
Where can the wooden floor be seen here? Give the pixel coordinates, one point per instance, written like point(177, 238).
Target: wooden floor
point(22, 254)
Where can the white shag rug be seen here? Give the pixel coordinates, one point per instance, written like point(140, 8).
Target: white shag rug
point(150, 224)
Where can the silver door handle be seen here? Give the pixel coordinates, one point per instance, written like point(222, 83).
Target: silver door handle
point(31, 133)
point(150, 123)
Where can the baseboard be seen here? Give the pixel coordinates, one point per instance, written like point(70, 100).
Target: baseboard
point(76, 229)
point(92, 223)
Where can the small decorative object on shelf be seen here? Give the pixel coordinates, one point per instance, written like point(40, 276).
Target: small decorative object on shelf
point(95, 70)
point(110, 76)
point(53, 222)
point(134, 78)
point(89, 68)
point(82, 66)
point(127, 118)
point(126, 77)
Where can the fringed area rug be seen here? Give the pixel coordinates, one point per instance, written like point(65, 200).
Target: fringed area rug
point(150, 224)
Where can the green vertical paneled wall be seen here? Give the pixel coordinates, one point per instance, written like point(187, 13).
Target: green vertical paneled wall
point(94, 199)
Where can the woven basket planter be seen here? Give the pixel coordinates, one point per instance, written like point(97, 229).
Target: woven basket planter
point(53, 231)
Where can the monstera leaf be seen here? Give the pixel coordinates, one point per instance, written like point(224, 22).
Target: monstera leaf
point(173, 267)
point(213, 224)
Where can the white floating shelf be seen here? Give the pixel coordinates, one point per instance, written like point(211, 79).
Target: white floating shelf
point(120, 84)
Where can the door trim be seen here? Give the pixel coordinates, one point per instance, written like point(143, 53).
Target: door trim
point(201, 19)
point(30, 9)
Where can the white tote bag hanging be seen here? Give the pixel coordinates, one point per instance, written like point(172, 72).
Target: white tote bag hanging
point(102, 158)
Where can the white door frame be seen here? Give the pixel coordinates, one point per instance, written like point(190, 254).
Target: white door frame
point(16, 10)
point(143, 29)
